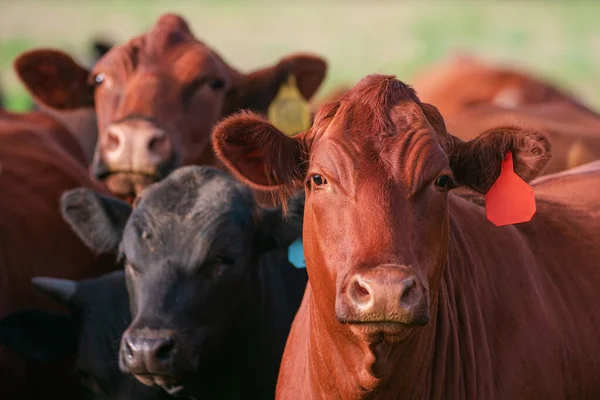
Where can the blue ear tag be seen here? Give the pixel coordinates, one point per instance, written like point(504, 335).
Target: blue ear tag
point(296, 254)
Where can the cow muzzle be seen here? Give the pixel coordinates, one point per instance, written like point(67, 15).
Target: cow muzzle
point(133, 154)
point(384, 300)
point(152, 356)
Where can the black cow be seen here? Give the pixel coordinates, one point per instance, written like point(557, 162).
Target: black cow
point(99, 314)
point(212, 292)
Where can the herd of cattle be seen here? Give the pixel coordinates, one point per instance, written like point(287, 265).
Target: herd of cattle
point(148, 209)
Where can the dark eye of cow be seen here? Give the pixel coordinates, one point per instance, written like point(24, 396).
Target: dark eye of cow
point(443, 182)
point(319, 180)
point(221, 266)
point(216, 84)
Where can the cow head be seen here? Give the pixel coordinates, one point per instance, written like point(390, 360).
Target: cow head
point(377, 167)
point(190, 249)
point(157, 98)
point(99, 313)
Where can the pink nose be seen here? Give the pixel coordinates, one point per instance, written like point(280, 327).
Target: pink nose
point(136, 146)
point(385, 293)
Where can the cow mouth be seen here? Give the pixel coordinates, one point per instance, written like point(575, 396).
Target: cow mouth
point(381, 331)
point(171, 384)
point(128, 184)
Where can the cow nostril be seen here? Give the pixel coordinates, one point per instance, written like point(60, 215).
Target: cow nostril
point(128, 351)
point(155, 143)
point(360, 293)
point(112, 142)
point(152, 144)
point(409, 294)
point(165, 349)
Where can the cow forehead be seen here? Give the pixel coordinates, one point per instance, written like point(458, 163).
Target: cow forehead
point(184, 60)
point(187, 211)
point(379, 106)
point(194, 188)
point(379, 129)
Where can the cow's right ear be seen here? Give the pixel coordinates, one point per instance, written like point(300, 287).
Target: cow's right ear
point(54, 79)
point(39, 335)
point(98, 220)
point(259, 154)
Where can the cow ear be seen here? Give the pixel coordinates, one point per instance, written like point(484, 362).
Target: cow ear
point(477, 163)
point(257, 90)
point(259, 154)
point(100, 48)
point(98, 220)
point(278, 229)
point(54, 79)
point(39, 335)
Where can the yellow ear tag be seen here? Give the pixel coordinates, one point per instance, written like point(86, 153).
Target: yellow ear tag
point(289, 112)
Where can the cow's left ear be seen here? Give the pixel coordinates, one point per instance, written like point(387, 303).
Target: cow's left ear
point(278, 229)
point(98, 220)
point(477, 163)
point(39, 335)
point(257, 90)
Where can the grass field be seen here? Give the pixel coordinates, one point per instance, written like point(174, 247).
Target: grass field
point(558, 39)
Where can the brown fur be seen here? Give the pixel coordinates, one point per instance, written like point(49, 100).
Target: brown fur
point(474, 97)
point(512, 308)
point(40, 159)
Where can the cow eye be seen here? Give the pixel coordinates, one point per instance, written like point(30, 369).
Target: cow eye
point(99, 79)
point(443, 182)
point(221, 267)
point(216, 84)
point(319, 180)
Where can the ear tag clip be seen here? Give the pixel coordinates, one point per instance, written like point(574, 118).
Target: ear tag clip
point(289, 112)
point(510, 200)
point(296, 254)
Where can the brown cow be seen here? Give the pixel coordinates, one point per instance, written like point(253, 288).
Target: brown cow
point(157, 98)
point(40, 160)
point(474, 96)
point(412, 292)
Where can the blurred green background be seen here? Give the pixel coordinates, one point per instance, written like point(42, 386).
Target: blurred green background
point(558, 40)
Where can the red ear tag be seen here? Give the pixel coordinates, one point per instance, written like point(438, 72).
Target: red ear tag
point(510, 200)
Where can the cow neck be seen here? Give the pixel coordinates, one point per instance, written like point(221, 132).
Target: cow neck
point(430, 363)
point(81, 125)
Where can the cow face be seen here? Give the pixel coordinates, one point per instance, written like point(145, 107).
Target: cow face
point(190, 248)
point(99, 314)
point(157, 98)
point(377, 167)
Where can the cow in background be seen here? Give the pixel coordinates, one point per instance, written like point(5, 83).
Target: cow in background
point(474, 96)
point(212, 292)
point(39, 160)
point(91, 331)
point(157, 98)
